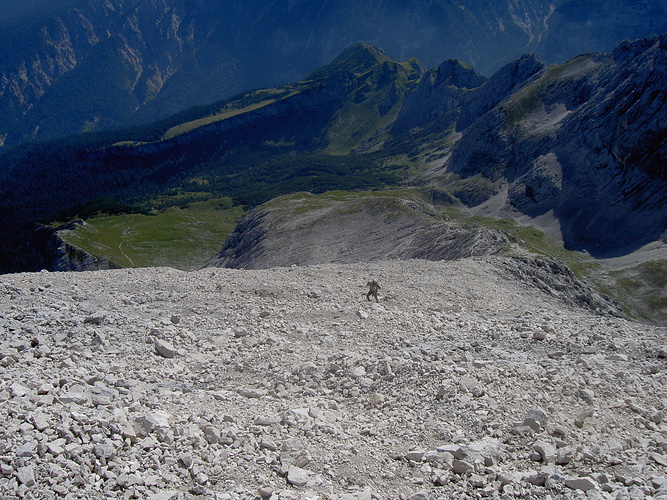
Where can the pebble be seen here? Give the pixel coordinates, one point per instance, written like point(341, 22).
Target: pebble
point(546, 451)
point(165, 349)
point(297, 476)
point(580, 483)
point(415, 455)
point(253, 393)
point(26, 475)
point(266, 420)
point(104, 451)
point(462, 467)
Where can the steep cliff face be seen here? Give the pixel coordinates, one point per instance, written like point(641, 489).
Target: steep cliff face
point(455, 95)
point(585, 140)
point(438, 96)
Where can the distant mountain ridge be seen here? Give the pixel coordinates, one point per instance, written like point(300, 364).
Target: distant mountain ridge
point(93, 65)
point(579, 144)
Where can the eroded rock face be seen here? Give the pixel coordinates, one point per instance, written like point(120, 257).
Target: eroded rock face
point(440, 93)
point(586, 141)
point(535, 191)
point(553, 277)
point(285, 231)
point(470, 378)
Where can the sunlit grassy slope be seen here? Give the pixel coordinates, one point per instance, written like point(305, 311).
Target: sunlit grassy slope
point(184, 238)
point(228, 112)
point(642, 290)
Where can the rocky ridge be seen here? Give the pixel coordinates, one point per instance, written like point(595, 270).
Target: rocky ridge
point(304, 229)
point(96, 65)
point(66, 257)
point(466, 380)
point(583, 142)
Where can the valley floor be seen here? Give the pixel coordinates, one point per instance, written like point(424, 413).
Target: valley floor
point(464, 381)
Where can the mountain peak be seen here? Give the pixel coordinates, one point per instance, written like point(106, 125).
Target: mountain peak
point(363, 49)
point(459, 74)
point(357, 58)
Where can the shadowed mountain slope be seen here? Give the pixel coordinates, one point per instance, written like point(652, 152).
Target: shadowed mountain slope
point(83, 65)
point(579, 145)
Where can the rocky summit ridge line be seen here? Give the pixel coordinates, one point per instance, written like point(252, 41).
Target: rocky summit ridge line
point(467, 380)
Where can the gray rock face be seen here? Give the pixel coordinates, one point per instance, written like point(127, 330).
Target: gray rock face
point(497, 88)
point(558, 280)
point(438, 96)
point(284, 232)
point(586, 141)
point(534, 191)
point(455, 94)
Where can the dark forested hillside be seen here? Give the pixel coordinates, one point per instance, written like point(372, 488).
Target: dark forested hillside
point(87, 65)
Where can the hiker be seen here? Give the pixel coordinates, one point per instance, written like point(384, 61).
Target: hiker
point(373, 288)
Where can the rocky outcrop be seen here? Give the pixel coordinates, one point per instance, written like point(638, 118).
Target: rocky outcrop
point(553, 277)
point(440, 93)
point(56, 255)
point(497, 88)
point(455, 95)
point(303, 229)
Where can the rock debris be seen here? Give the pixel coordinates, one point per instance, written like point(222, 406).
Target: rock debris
point(465, 381)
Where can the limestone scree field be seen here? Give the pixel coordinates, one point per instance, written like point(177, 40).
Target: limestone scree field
point(466, 380)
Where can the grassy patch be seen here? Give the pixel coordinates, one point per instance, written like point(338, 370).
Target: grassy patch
point(180, 237)
point(536, 242)
point(470, 191)
point(642, 290)
point(184, 128)
point(388, 201)
point(531, 98)
point(527, 100)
